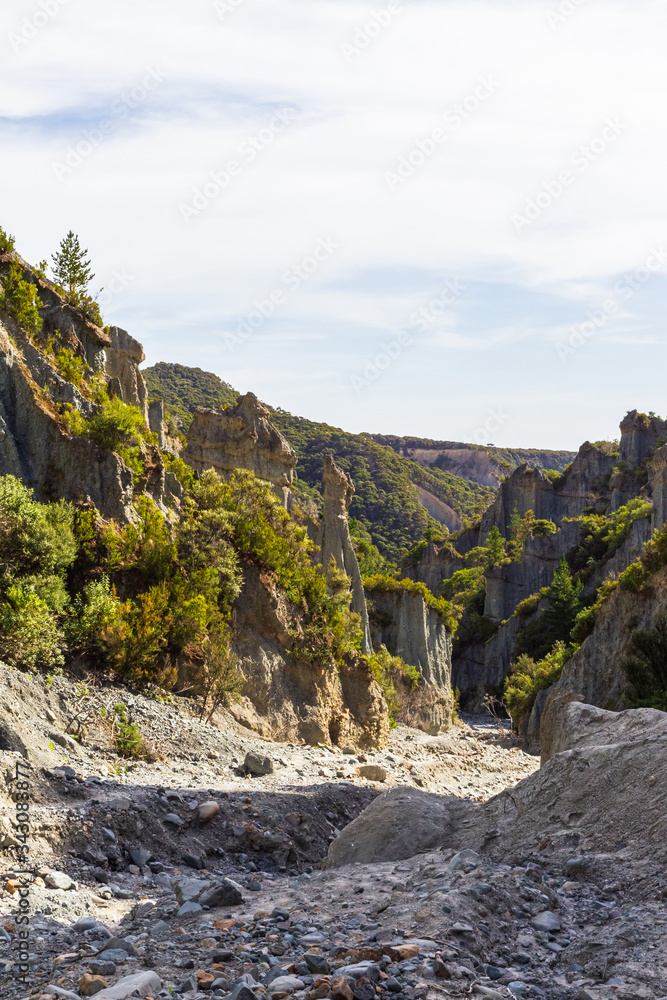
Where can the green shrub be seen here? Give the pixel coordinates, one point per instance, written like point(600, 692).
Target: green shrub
point(528, 677)
point(30, 636)
point(6, 242)
point(74, 421)
point(72, 367)
point(114, 423)
point(184, 473)
point(127, 737)
point(389, 584)
point(633, 578)
point(646, 666)
point(21, 301)
point(92, 611)
point(387, 670)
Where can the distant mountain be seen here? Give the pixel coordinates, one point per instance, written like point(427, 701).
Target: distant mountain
point(396, 498)
point(485, 465)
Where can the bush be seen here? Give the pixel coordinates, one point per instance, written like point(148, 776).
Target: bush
point(216, 678)
point(29, 633)
point(646, 667)
point(389, 584)
point(387, 670)
point(21, 301)
point(114, 423)
point(6, 242)
point(528, 677)
point(127, 737)
point(93, 610)
point(72, 367)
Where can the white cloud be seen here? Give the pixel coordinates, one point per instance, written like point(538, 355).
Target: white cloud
point(325, 175)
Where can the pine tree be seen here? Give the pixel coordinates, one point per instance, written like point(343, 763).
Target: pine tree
point(565, 603)
point(495, 548)
point(71, 268)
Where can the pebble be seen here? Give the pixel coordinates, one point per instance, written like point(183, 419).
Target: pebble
point(257, 764)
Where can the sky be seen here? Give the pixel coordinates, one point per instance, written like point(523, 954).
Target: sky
point(443, 218)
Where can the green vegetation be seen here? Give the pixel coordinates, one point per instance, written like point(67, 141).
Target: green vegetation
point(126, 735)
point(183, 389)
point(388, 584)
point(556, 623)
point(37, 546)
point(509, 458)
point(7, 242)
point(646, 667)
point(528, 677)
point(389, 670)
point(72, 273)
point(71, 267)
point(603, 534)
point(20, 299)
point(386, 504)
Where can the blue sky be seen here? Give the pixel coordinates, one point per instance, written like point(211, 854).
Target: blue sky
point(322, 172)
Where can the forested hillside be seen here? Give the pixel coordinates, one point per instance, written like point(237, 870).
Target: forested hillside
point(387, 501)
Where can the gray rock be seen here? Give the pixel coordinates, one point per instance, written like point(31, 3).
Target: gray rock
point(207, 811)
point(58, 880)
point(462, 859)
point(102, 968)
point(189, 908)
point(286, 984)
point(119, 942)
point(140, 856)
point(58, 991)
point(225, 893)
point(546, 921)
point(84, 924)
point(171, 819)
point(257, 764)
point(398, 824)
point(187, 889)
point(115, 955)
point(317, 964)
point(141, 984)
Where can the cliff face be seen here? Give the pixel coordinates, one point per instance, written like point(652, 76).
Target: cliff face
point(407, 627)
point(241, 438)
point(123, 357)
point(335, 542)
point(594, 675)
point(639, 435)
point(34, 442)
point(286, 699)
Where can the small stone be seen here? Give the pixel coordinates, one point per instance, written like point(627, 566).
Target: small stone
point(58, 880)
point(140, 856)
point(12, 886)
point(393, 985)
point(195, 862)
point(462, 859)
point(141, 984)
point(84, 924)
point(90, 985)
point(171, 819)
point(518, 988)
point(189, 907)
point(341, 989)
point(102, 968)
point(224, 893)
point(286, 984)
point(206, 811)
point(115, 955)
point(204, 979)
point(257, 764)
point(459, 928)
point(373, 772)
point(317, 964)
point(546, 921)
